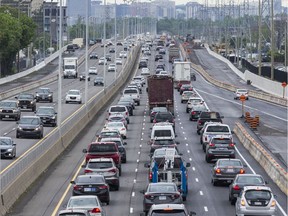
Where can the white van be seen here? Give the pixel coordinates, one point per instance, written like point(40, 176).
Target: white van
point(162, 130)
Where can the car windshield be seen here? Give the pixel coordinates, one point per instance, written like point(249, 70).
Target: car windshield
point(253, 180)
point(92, 68)
point(162, 133)
point(161, 117)
point(162, 188)
point(221, 141)
point(118, 109)
point(218, 128)
point(159, 109)
point(258, 195)
point(210, 115)
point(161, 162)
point(81, 202)
point(5, 142)
point(99, 78)
point(195, 100)
point(164, 142)
point(25, 96)
point(45, 111)
point(229, 163)
point(45, 91)
point(188, 93)
point(172, 212)
point(242, 91)
point(72, 92)
point(116, 119)
point(115, 124)
point(8, 104)
point(30, 121)
point(103, 148)
point(100, 165)
point(130, 91)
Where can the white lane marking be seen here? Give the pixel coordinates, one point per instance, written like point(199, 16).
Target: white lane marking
point(137, 160)
point(205, 209)
point(5, 134)
point(141, 139)
point(143, 123)
point(136, 170)
point(13, 128)
point(134, 181)
point(182, 128)
point(253, 171)
point(143, 128)
point(190, 159)
point(196, 179)
point(201, 193)
point(140, 146)
point(188, 151)
point(185, 138)
point(178, 119)
point(180, 123)
point(138, 152)
point(131, 210)
point(133, 194)
point(193, 168)
point(186, 144)
point(183, 132)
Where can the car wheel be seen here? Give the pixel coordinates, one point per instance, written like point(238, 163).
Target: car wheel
point(247, 98)
point(232, 201)
point(117, 187)
point(204, 147)
point(181, 101)
point(214, 182)
point(184, 198)
point(187, 111)
point(34, 109)
point(51, 101)
point(208, 160)
point(198, 132)
point(80, 102)
point(138, 103)
point(124, 160)
point(17, 135)
point(120, 171)
point(94, 84)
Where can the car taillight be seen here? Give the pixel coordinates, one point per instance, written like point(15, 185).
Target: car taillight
point(147, 196)
point(193, 113)
point(211, 144)
point(273, 203)
point(175, 196)
point(126, 113)
point(154, 121)
point(88, 171)
point(218, 170)
point(123, 128)
point(114, 170)
point(103, 187)
point(231, 145)
point(190, 89)
point(150, 176)
point(76, 187)
point(236, 187)
point(95, 210)
point(242, 171)
point(242, 202)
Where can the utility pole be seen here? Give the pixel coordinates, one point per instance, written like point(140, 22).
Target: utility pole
point(259, 38)
point(272, 40)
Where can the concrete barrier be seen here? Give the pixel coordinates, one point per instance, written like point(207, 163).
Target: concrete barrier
point(57, 142)
point(272, 168)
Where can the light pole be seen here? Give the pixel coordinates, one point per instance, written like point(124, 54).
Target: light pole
point(104, 38)
point(115, 39)
point(86, 54)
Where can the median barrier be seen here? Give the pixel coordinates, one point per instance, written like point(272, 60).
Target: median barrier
point(28, 168)
point(278, 174)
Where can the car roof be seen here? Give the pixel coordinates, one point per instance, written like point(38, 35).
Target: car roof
point(3, 137)
point(46, 107)
point(163, 183)
point(30, 117)
point(165, 206)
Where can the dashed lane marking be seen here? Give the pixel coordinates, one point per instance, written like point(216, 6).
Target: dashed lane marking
point(205, 209)
point(196, 179)
point(193, 168)
point(201, 193)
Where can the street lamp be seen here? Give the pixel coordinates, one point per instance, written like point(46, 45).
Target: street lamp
point(115, 43)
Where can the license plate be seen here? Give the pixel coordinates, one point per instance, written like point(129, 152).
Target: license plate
point(89, 189)
point(25, 107)
point(162, 197)
point(257, 203)
point(230, 170)
point(6, 116)
point(221, 149)
point(43, 97)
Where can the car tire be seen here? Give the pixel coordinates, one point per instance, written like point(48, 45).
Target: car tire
point(124, 160)
point(117, 187)
point(51, 101)
point(232, 201)
point(198, 132)
point(34, 109)
point(208, 160)
point(187, 111)
point(66, 102)
point(17, 135)
point(204, 147)
point(184, 198)
point(138, 103)
point(120, 171)
point(80, 102)
point(181, 101)
point(214, 182)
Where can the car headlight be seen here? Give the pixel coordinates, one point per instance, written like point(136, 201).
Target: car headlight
point(53, 117)
point(9, 150)
point(37, 128)
point(14, 110)
point(19, 128)
point(31, 102)
point(0, 110)
point(49, 95)
point(37, 95)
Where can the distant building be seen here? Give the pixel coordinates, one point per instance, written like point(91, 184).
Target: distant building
point(193, 10)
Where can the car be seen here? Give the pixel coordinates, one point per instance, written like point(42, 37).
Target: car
point(26, 101)
point(225, 170)
point(161, 66)
point(73, 95)
point(102, 61)
point(105, 167)
point(164, 117)
point(162, 143)
point(48, 115)
point(70, 48)
point(213, 129)
point(29, 126)
point(186, 95)
point(129, 99)
point(192, 101)
point(108, 134)
point(78, 212)
point(158, 48)
point(157, 193)
point(119, 109)
point(44, 94)
point(121, 146)
point(158, 56)
point(161, 152)
point(118, 118)
point(155, 110)
point(242, 180)
point(140, 79)
point(116, 126)
point(9, 109)
point(240, 92)
point(76, 46)
point(94, 184)
point(128, 105)
point(144, 58)
point(208, 116)
point(185, 87)
point(143, 64)
point(8, 147)
point(123, 54)
point(93, 70)
point(168, 210)
point(86, 202)
point(220, 146)
point(157, 71)
point(147, 52)
point(108, 57)
point(136, 85)
point(163, 73)
point(145, 71)
point(111, 50)
point(134, 93)
point(196, 110)
point(256, 200)
point(162, 51)
point(93, 55)
point(193, 76)
point(118, 61)
point(111, 68)
point(83, 77)
point(99, 81)
point(119, 43)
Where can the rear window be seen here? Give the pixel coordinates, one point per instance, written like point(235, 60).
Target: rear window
point(162, 117)
point(229, 163)
point(210, 115)
point(258, 195)
point(162, 133)
point(162, 188)
point(102, 148)
point(90, 179)
point(253, 180)
point(221, 141)
point(100, 165)
point(117, 109)
point(164, 142)
point(218, 128)
point(130, 91)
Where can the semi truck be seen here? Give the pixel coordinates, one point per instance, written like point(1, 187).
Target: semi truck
point(173, 53)
point(182, 73)
point(70, 67)
point(160, 92)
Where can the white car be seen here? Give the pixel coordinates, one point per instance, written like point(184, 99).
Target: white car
point(93, 70)
point(163, 73)
point(118, 61)
point(110, 126)
point(102, 61)
point(73, 95)
point(240, 92)
point(123, 54)
point(145, 71)
point(111, 68)
point(193, 101)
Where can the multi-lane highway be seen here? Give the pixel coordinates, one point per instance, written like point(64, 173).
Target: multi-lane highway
point(52, 191)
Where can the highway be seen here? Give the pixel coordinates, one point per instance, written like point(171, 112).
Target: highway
point(52, 191)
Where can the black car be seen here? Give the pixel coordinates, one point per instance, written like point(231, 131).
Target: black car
point(193, 76)
point(29, 126)
point(48, 115)
point(220, 147)
point(83, 77)
point(7, 147)
point(99, 81)
point(208, 116)
point(129, 99)
point(70, 48)
point(9, 109)
point(155, 110)
point(158, 56)
point(26, 101)
point(162, 51)
point(93, 55)
point(162, 66)
point(185, 87)
point(164, 117)
point(91, 185)
point(76, 46)
point(194, 113)
point(242, 180)
point(112, 50)
point(119, 43)
point(44, 94)
point(108, 57)
point(143, 64)
point(128, 105)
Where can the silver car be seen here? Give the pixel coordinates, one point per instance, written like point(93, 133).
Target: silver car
point(256, 200)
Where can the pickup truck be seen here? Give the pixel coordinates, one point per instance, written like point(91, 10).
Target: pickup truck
point(104, 150)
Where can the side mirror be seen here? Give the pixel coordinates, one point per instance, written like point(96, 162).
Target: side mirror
point(176, 135)
point(16, 97)
point(17, 122)
point(125, 143)
point(232, 132)
point(72, 182)
point(146, 165)
point(266, 182)
point(55, 113)
point(245, 165)
point(84, 150)
point(192, 213)
point(14, 144)
point(188, 164)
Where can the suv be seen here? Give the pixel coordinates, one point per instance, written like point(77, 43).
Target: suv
point(26, 101)
point(44, 94)
point(105, 167)
point(29, 126)
point(48, 115)
point(168, 210)
point(240, 92)
point(104, 150)
point(214, 129)
point(164, 117)
point(119, 141)
point(119, 109)
point(193, 101)
point(162, 143)
point(9, 109)
point(208, 116)
point(134, 93)
point(7, 147)
point(220, 146)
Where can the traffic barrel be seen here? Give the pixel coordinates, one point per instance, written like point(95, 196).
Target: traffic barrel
point(253, 123)
point(257, 118)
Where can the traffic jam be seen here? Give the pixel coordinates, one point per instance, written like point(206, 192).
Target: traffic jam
point(167, 170)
